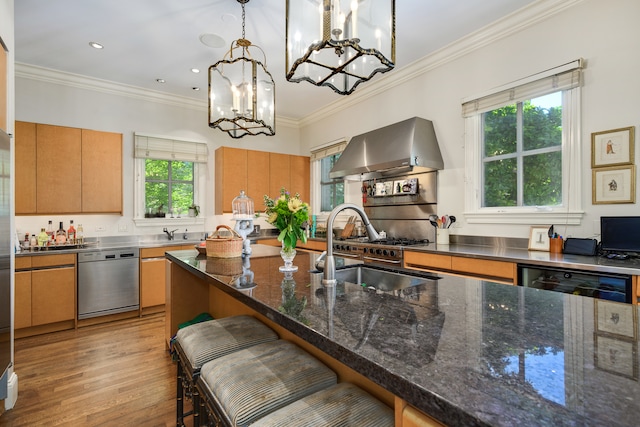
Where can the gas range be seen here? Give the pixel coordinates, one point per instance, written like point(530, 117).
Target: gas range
point(389, 251)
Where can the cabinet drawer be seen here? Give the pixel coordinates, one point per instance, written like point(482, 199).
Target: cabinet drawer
point(483, 267)
point(53, 295)
point(23, 262)
point(424, 260)
point(158, 252)
point(52, 260)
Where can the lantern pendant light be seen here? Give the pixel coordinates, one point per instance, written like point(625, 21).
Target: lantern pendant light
point(339, 43)
point(241, 91)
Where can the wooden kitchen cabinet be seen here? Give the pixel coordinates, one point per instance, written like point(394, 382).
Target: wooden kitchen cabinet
point(152, 277)
point(45, 294)
point(258, 173)
point(53, 295)
point(58, 169)
point(257, 185)
point(279, 173)
point(231, 176)
point(300, 172)
point(22, 308)
point(101, 172)
point(497, 271)
point(25, 168)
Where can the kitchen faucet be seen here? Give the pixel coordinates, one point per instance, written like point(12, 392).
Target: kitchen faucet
point(169, 233)
point(329, 261)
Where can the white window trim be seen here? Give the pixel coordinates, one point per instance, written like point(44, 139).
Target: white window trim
point(570, 213)
point(199, 180)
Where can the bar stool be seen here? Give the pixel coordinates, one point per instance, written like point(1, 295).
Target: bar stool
point(342, 405)
point(238, 389)
point(199, 343)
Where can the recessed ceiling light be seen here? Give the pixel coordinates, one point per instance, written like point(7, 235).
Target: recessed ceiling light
point(196, 88)
point(195, 70)
point(212, 40)
point(160, 80)
point(96, 45)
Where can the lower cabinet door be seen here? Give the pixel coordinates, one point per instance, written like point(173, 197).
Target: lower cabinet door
point(22, 310)
point(152, 283)
point(53, 295)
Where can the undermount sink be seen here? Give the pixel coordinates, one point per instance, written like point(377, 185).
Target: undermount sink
point(381, 279)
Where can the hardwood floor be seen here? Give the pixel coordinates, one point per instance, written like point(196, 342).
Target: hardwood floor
point(115, 374)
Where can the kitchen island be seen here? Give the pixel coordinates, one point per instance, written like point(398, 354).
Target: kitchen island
point(461, 350)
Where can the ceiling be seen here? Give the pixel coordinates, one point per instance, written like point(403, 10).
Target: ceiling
point(145, 40)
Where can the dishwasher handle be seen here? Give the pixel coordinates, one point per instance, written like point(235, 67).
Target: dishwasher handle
point(127, 255)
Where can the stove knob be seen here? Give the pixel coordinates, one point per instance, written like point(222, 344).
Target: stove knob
point(348, 247)
point(378, 251)
point(385, 252)
point(392, 253)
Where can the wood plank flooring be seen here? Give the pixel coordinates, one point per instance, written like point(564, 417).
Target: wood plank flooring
point(115, 374)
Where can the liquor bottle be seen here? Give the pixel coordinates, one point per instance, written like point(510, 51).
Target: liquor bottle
point(80, 235)
point(43, 238)
point(71, 234)
point(51, 233)
point(61, 235)
point(33, 242)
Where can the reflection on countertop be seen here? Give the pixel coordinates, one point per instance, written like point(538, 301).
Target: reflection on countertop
point(465, 351)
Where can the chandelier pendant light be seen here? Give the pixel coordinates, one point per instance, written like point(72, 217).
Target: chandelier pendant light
point(242, 91)
point(339, 43)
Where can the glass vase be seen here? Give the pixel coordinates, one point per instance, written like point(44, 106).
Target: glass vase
point(288, 254)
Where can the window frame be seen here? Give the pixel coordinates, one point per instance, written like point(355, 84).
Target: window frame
point(570, 212)
point(317, 154)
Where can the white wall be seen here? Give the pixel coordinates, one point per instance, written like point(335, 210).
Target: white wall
point(605, 34)
point(99, 107)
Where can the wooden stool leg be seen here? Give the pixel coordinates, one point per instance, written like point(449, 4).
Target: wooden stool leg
point(195, 398)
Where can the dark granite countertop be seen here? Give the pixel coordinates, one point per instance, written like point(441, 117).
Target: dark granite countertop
point(465, 351)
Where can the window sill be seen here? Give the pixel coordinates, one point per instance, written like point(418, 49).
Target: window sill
point(159, 222)
point(538, 217)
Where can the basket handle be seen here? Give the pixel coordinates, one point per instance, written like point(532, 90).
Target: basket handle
point(234, 233)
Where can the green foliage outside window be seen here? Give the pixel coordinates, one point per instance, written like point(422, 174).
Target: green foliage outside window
point(523, 150)
point(168, 186)
point(332, 191)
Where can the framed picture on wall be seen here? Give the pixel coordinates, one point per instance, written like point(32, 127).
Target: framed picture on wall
point(612, 147)
point(614, 185)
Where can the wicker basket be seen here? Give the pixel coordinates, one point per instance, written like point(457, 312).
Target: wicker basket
point(225, 266)
point(229, 246)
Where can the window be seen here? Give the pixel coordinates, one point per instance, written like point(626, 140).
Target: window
point(523, 151)
point(331, 190)
point(168, 187)
point(170, 176)
point(327, 193)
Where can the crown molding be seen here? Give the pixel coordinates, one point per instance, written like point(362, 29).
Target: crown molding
point(78, 81)
point(511, 24)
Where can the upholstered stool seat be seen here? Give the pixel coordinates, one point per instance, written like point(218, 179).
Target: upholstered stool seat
point(343, 405)
point(244, 386)
point(201, 342)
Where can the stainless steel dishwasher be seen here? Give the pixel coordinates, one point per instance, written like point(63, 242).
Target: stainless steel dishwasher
point(108, 282)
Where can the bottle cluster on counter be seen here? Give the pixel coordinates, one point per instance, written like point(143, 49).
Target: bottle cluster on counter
point(60, 238)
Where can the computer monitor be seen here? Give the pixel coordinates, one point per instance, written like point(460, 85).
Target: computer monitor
point(620, 233)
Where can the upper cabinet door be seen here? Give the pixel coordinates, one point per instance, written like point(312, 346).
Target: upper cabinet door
point(101, 172)
point(257, 181)
point(301, 176)
point(58, 173)
point(25, 169)
point(279, 176)
point(231, 177)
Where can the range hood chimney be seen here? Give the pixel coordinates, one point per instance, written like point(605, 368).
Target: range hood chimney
point(404, 147)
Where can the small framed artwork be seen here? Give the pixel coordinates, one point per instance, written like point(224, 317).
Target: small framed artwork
point(615, 319)
point(616, 356)
point(614, 185)
point(612, 147)
point(539, 239)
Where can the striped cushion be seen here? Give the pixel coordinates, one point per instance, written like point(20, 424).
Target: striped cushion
point(261, 379)
point(205, 341)
point(341, 405)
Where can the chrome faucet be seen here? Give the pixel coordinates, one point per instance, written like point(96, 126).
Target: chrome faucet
point(169, 233)
point(329, 261)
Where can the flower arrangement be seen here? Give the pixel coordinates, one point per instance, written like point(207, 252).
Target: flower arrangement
point(288, 214)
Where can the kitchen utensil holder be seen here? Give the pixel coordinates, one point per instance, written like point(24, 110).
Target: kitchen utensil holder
point(442, 236)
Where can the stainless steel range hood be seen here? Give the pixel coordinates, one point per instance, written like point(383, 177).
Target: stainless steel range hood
point(404, 147)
